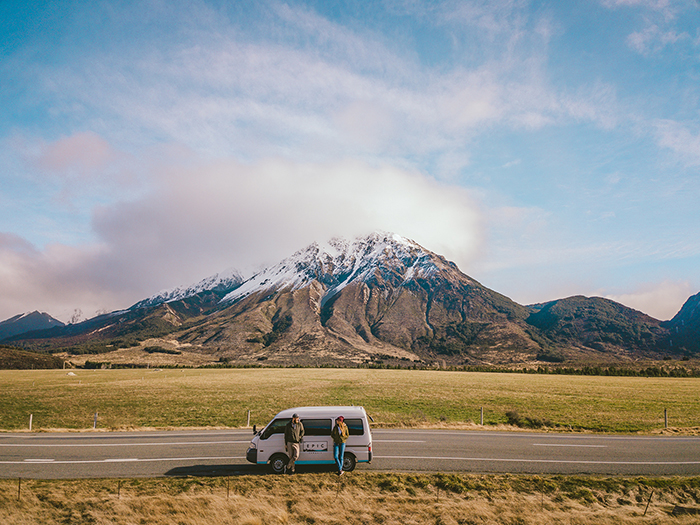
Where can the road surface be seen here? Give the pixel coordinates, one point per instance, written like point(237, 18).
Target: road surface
point(222, 453)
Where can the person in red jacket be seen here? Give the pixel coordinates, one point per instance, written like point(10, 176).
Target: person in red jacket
point(340, 435)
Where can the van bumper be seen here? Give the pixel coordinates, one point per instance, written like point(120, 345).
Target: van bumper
point(252, 455)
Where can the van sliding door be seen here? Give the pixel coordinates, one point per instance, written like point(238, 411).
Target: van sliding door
point(317, 445)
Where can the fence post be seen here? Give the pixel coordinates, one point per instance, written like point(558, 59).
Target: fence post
point(482, 416)
point(248, 424)
point(31, 416)
point(665, 418)
point(94, 424)
point(19, 488)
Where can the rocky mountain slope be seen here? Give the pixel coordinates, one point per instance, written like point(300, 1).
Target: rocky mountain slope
point(380, 295)
point(381, 298)
point(684, 328)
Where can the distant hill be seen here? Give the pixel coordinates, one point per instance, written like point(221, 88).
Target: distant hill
point(123, 328)
point(28, 322)
point(597, 325)
point(372, 300)
point(684, 337)
point(16, 359)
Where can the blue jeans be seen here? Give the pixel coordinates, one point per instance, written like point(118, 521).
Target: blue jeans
point(338, 454)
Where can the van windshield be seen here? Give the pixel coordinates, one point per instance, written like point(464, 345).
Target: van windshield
point(276, 427)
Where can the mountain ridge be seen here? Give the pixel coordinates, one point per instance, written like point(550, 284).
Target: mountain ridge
point(223, 281)
point(27, 322)
point(381, 296)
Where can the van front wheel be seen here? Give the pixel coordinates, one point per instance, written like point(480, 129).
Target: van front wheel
point(349, 462)
point(278, 462)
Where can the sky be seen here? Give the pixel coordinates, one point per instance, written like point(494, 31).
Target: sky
point(548, 148)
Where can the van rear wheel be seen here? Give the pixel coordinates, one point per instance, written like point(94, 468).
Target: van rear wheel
point(278, 462)
point(349, 462)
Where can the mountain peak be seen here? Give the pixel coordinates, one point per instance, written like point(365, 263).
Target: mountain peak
point(325, 260)
point(27, 322)
point(339, 261)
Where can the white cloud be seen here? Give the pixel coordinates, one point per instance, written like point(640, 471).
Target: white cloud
point(280, 105)
point(323, 92)
point(660, 300)
point(657, 18)
point(496, 17)
point(57, 279)
point(595, 103)
point(664, 6)
point(83, 153)
point(652, 39)
point(678, 138)
point(72, 167)
point(206, 217)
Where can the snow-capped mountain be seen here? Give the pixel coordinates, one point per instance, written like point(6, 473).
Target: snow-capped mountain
point(220, 282)
point(379, 297)
point(339, 262)
point(352, 299)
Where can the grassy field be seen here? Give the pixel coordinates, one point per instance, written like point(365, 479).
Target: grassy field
point(173, 398)
point(440, 499)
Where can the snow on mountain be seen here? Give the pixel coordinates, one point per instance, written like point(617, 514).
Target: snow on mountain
point(338, 262)
point(221, 282)
point(335, 264)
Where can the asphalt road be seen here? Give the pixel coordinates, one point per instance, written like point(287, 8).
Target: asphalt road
point(222, 453)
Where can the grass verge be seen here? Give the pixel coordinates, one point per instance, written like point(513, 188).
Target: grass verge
point(439, 499)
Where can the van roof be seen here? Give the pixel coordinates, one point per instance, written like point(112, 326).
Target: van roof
point(329, 411)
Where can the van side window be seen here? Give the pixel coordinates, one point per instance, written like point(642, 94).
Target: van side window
point(355, 427)
point(276, 427)
point(317, 427)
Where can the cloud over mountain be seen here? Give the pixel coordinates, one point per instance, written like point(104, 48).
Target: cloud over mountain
point(195, 220)
point(148, 143)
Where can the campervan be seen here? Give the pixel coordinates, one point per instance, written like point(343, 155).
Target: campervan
point(268, 447)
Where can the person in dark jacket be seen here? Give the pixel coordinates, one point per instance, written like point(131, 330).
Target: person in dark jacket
point(340, 435)
point(293, 434)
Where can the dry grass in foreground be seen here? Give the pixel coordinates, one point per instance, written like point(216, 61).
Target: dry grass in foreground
point(353, 499)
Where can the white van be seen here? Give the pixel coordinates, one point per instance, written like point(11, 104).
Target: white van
point(317, 446)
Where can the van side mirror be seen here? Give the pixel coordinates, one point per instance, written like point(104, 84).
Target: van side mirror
point(255, 431)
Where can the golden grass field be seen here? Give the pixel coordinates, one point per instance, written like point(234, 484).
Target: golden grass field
point(359, 498)
point(179, 398)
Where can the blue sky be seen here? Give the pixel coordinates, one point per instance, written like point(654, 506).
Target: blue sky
point(548, 148)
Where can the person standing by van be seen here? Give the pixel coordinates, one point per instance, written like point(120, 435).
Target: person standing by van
point(293, 434)
point(340, 435)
